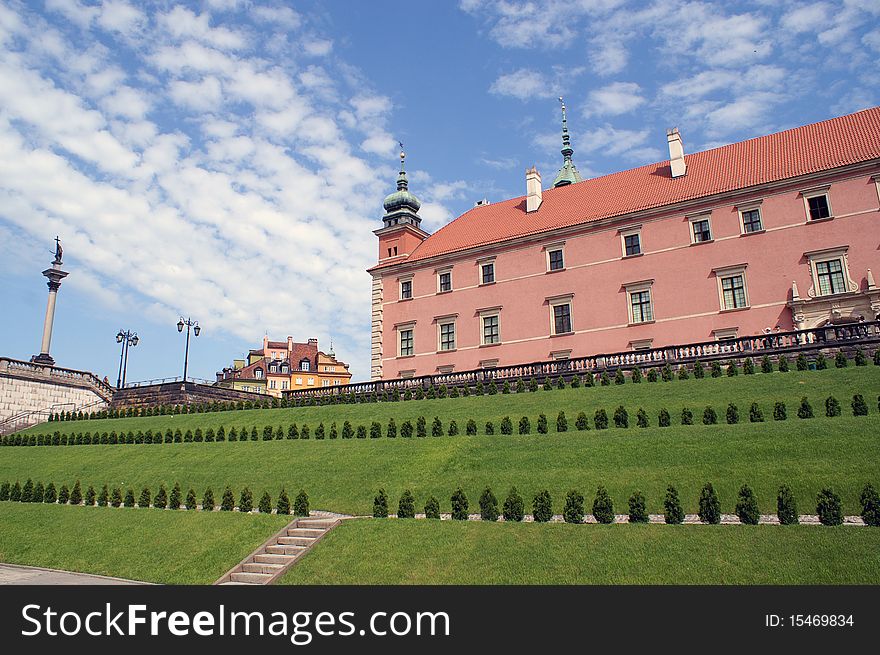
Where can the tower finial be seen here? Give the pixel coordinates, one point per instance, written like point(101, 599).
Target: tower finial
point(568, 174)
point(402, 184)
point(567, 150)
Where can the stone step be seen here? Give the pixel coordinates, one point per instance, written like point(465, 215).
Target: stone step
point(267, 558)
point(261, 567)
point(305, 532)
point(251, 578)
point(296, 541)
point(321, 524)
point(279, 549)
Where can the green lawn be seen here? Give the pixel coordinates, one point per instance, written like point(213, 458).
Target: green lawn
point(139, 544)
point(432, 552)
point(765, 389)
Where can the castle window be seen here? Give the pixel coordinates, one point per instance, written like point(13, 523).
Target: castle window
point(407, 346)
point(631, 241)
point(560, 314)
point(751, 219)
point(258, 373)
point(491, 329)
point(701, 230)
point(829, 275)
point(639, 303)
point(444, 281)
point(830, 272)
point(817, 203)
point(406, 289)
point(487, 273)
point(304, 365)
point(556, 260)
point(447, 335)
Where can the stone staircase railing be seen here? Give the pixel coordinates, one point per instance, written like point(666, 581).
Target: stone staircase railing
point(34, 371)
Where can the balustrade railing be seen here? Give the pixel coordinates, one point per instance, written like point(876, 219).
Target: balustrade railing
point(34, 370)
point(775, 343)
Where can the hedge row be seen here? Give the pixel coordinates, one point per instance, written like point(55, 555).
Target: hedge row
point(828, 506)
point(37, 493)
point(620, 418)
point(666, 373)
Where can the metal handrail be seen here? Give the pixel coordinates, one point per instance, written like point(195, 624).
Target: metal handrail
point(147, 383)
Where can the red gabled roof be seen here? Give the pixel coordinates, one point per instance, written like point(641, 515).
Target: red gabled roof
point(809, 149)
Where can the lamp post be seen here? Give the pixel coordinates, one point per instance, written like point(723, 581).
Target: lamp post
point(188, 323)
point(126, 338)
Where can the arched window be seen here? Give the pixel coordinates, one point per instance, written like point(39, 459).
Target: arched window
point(258, 373)
point(304, 365)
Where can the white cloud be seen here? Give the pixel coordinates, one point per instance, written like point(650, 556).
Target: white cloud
point(607, 56)
point(614, 99)
point(523, 84)
point(318, 47)
point(204, 95)
point(806, 18)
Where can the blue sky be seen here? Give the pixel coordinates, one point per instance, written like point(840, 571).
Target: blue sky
point(227, 160)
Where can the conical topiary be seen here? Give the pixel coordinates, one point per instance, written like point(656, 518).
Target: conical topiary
point(710, 507)
point(265, 505)
point(513, 509)
point(283, 505)
point(246, 500)
point(301, 504)
point(406, 507)
point(542, 507)
point(488, 505)
point(380, 505)
point(747, 506)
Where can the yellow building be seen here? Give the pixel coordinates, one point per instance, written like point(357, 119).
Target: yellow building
point(283, 365)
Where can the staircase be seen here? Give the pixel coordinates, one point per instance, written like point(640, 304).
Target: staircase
point(271, 560)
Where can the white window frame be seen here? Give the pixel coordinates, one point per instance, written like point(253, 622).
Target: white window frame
point(447, 320)
point(728, 272)
point(827, 255)
point(299, 381)
point(553, 247)
point(694, 218)
point(494, 312)
point(285, 384)
point(400, 281)
point(641, 344)
point(258, 374)
point(640, 287)
point(401, 328)
point(815, 192)
point(310, 382)
point(750, 207)
point(444, 271)
point(325, 383)
point(271, 383)
point(555, 301)
point(635, 230)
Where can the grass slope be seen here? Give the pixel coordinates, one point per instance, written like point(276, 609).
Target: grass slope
point(765, 389)
point(432, 552)
point(343, 475)
point(138, 544)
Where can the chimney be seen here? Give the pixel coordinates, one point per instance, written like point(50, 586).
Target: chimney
point(533, 189)
point(676, 153)
point(313, 342)
point(265, 344)
point(289, 346)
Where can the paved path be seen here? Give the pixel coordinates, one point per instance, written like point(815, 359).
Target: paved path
point(12, 574)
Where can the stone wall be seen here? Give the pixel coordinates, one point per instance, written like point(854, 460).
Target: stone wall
point(29, 392)
point(174, 393)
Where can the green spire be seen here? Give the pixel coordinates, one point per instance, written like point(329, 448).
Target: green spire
point(568, 174)
point(401, 206)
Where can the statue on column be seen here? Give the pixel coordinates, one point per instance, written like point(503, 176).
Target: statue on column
point(58, 252)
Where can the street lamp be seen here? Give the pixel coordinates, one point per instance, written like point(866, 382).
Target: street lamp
point(189, 323)
point(126, 338)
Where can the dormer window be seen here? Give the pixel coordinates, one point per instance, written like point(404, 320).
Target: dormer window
point(258, 373)
point(304, 365)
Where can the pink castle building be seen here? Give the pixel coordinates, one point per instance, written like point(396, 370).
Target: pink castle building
point(775, 233)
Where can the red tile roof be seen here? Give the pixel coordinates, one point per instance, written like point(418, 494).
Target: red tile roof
point(812, 148)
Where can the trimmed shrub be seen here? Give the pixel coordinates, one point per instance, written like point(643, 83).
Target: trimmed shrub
point(265, 505)
point(406, 429)
point(542, 424)
point(589, 379)
point(806, 409)
point(406, 506)
point(27, 491)
point(333, 434)
point(604, 379)
point(504, 389)
point(560, 382)
point(227, 501)
point(786, 506)
point(521, 386)
point(533, 385)
point(436, 427)
point(561, 422)
point(51, 495)
point(821, 362)
point(710, 507)
point(525, 425)
point(470, 427)
point(801, 362)
point(320, 433)
point(748, 366)
point(859, 406)
point(699, 371)
point(145, 499)
point(64, 495)
point(870, 502)
point(432, 508)
point(173, 499)
point(828, 508)
point(600, 419)
point(603, 508)
point(666, 373)
point(619, 377)
point(301, 504)
point(635, 375)
point(128, 502)
point(421, 427)
point(506, 426)
point(362, 432)
point(514, 508)
point(716, 370)
point(783, 364)
point(732, 369)
point(490, 427)
point(732, 415)
point(664, 420)
point(832, 406)
point(638, 512)
point(208, 500)
point(652, 375)
point(459, 505)
point(380, 505)
point(755, 414)
point(709, 416)
point(542, 506)
point(245, 500)
point(116, 497)
point(747, 506)
point(840, 360)
point(683, 373)
point(40, 492)
point(687, 416)
point(283, 504)
point(779, 411)
point(621, 417)
point(548, 385)
point(453, 428)
point(75, 494)
point(576, 382)
point(766, 364)
point(91, 495)
point(573, 511)
point(348, 431)
point(488, 505)
point(375, 430)
point(581, 422)
point(190, 502)
point(642, 418)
